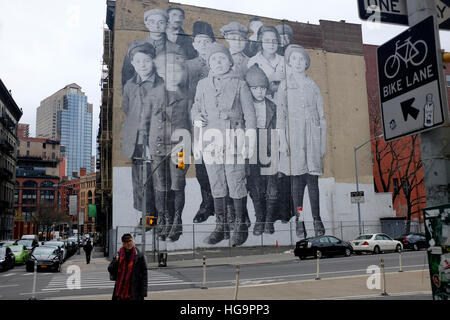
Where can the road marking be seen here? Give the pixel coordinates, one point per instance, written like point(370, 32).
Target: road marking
point(9, 275)
point(9, 285)
point(409, 293)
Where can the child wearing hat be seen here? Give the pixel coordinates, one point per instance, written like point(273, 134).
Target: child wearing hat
point(301, 114)
point(224, 103)
point(236, 36)
point(167, 121)
point(198, 69)
point(262, 183)
point(141, 94)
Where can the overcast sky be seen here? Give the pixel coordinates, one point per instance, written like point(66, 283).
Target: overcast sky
point(48, 44)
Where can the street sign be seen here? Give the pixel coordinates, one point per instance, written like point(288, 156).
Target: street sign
point(395, 11)
point(150, 221)
point(357, 197)
point(410, 83)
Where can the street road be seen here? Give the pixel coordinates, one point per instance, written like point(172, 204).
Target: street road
point(17, 284)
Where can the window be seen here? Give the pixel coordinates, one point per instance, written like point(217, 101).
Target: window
point(47, 184)
point(53, 155)
point(333, 240)
point(29, 184)
point(379, 237)
point(447, 78)
point(28, 144)
point(28, 153)
point(324, 240)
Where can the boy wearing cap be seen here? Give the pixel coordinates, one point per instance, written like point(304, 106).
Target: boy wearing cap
point(301, 114)
point(224, 103)
point(165, 121)
point(156, 22)
point(142, 93)
point(198, 69)
point(262, 185)
point(236, 36)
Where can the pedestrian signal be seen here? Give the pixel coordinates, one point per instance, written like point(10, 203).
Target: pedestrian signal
point(150, 221)
point(181, 164)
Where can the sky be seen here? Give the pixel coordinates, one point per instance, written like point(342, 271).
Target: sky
point(48, 44)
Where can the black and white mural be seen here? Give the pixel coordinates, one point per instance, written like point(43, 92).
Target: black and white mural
point(243, 108)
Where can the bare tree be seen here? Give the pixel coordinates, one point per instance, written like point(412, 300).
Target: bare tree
point(47, 215)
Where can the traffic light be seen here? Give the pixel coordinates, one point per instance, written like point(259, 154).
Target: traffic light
point(150, 221)
point(445, 56)
point(181, 164)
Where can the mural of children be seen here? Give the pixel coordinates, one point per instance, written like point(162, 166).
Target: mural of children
point(267, 58)
point(252, 47)
point(175, 32)
point(286, 33)
point(236, 36)
point(198, 69)
point(304, 143)
point(156, 22)
point(165, 120)
point(263, 188)
point(143, 92)
point(224, 102)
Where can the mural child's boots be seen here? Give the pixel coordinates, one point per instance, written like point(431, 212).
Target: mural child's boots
point(162, 208)
point(260, 213)
point(177, 227)
point(240, 233)
point(221, 221)
point(270, 217)
point(206, 207)
point(319, 229)
point(231, 214)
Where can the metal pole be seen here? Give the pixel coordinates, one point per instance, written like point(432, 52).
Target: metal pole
point(237, 283)
point(204, 274)
point(400, 261)
point(144, 184)
point(384, 278)
point(318, 269)
point(193, 241)
point(357, 189)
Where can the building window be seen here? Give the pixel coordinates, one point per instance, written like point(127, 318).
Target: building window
point(28, 153)
point(29, 184)
point(28, 144)
point(447, 78)
point(53, 155)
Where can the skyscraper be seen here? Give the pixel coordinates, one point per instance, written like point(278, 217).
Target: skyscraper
point(67, 116)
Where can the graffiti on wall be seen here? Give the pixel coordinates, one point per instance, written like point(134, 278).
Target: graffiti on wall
point(246, 111)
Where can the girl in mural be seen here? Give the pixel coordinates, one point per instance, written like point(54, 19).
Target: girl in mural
point(224, 102)
point(286, 34)
point(165, 120)
point(236, 36)
point(262, 186)
point(143, 92)
point(303, 143)
point(267, 58)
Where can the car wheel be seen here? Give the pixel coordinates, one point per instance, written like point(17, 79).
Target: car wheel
point(319, 254)
point(358, 253)
point(415, 247)
point(348, 252)
point(376, 250)
point(398, 248)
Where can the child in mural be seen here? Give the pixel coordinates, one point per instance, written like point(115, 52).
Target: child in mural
point(263, 186)
point(303, 143)
point(165, 120)
point(252, 47)
point(286, 34)
point(175, 32)
point(143, 92)
point(267, 58)
point(198, 69)
point(224, 102)
point(156, 22)
point(236, 36)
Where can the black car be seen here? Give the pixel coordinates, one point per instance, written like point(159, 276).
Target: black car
point(322, 246)
point(47, 258)
point(414, 241)
point(7, 259)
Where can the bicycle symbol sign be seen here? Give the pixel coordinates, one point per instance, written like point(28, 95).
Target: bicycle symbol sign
point(410, 82)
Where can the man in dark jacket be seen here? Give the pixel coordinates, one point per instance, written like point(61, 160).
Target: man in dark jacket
point(88, 249)
point(129, 269)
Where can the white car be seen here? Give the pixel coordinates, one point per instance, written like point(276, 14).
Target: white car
point(376, 243)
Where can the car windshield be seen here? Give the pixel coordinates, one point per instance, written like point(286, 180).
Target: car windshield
point(54, 243)
point(365, 237)
point(16, 248)
point(26, 243)
point(43, 251)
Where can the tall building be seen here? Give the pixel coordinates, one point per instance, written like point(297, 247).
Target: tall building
point(23, 130)
point(9, 118)
point(67, 116)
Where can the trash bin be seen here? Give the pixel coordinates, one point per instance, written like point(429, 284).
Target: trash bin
point(162, 259)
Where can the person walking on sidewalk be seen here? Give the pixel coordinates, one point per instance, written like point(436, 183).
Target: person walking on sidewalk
point(88, 249)
point(129, 270)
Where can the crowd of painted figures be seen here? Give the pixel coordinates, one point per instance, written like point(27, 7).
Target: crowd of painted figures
point(257, 84)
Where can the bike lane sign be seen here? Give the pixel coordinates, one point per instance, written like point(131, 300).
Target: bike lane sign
point(409, 77)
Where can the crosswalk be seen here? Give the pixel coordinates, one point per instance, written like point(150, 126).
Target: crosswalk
point(100, 280)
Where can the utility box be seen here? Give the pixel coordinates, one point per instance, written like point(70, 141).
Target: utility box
point(394, 227)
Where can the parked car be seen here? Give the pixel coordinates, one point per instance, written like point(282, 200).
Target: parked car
point(46, 257)
point(60, 244)
point(7, 242)
point(322, 246)
point(414, 241)
point(21, 254)
point(29, 244)
point(30, 237)
point(7, 260)
point(375, 243)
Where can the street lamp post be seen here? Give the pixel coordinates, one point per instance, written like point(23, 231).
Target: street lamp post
point(355, 149)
